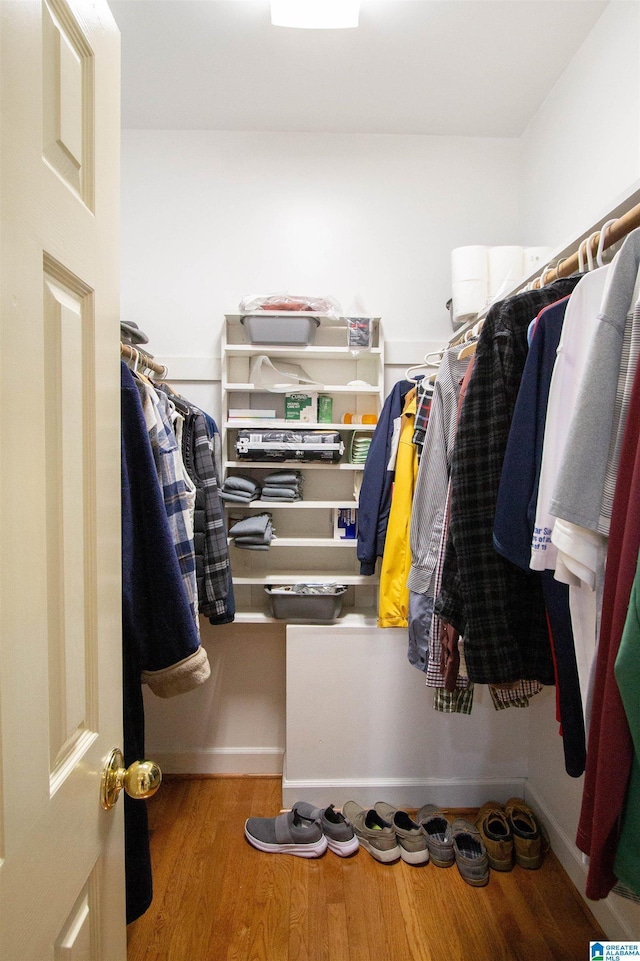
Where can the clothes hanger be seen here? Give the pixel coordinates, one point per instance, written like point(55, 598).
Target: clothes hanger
point(409, 371)
point(590, 258)
point(468, 349)
point(581, 264)
point(436, 354)
point(600, 251)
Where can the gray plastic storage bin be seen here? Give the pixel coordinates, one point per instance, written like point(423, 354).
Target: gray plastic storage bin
point(288, 329)
point(287, 605)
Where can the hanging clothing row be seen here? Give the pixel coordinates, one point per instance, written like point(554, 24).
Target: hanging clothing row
point(175, 566)
point(524, 486)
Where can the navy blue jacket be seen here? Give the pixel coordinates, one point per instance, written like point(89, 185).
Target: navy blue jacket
point(377, 482)
point(158, 628)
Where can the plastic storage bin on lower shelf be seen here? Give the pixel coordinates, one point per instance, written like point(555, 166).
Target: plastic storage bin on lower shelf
point(286, 329)
point(294, 603)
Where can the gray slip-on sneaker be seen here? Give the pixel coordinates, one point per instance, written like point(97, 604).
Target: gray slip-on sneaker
point(470, 853)
point(375, 834)
point(338, 831)
point(287, 833)
point(411, 839)
point(437, 830)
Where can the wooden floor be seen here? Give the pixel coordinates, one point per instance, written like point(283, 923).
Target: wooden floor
point(216, 898)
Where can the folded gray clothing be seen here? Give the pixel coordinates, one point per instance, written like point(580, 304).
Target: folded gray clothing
point(279, 500)
point(253, 540)
point(250, 526)
point(286, 493)
point(283, 477)
point(237, 483)
point(253, 547)
point(237, 498)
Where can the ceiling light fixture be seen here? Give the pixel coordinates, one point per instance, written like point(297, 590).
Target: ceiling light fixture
point(315, 14)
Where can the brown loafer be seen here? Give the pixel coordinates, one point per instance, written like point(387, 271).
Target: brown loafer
point(496, 833)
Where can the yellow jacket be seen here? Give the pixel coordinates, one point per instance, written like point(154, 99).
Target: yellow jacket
point(393, 602)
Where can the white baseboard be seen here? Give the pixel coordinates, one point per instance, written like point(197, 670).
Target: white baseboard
point(227, 760)
point(405, 792)
point(618, 917)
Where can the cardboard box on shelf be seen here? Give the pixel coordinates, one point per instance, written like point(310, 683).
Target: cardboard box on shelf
point(301, 406)
point(345, 523)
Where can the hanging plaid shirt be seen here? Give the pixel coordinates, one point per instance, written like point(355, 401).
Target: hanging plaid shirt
point(494, 605)
point(168, 462)
point(199, 462)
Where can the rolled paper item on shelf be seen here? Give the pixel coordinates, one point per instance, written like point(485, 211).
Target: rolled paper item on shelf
point(469, 298)
point(469, 281)
point(505, 269)
point(469, 263)
point(534, 259)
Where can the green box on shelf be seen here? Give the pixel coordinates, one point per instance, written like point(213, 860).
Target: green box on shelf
point(301, 407)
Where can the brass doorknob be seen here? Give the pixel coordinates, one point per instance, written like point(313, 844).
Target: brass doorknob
point(140, 780)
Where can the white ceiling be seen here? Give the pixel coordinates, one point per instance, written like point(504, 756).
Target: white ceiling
point(443, 67)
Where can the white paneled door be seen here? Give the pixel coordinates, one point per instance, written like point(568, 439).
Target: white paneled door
point(61, 854)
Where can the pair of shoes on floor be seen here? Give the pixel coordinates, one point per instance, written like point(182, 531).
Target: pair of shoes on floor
point(511, 833)
point(305, 831)
point(458, 842)
point(388, 833)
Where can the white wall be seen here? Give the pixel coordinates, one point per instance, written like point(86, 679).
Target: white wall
point(209, 217)
point(582, 148)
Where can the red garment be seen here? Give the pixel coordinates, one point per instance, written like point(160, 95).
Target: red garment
point(610, 747)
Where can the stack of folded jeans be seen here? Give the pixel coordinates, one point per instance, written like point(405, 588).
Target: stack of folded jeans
point(240, 490)
point(282, 485)
point(253, 533)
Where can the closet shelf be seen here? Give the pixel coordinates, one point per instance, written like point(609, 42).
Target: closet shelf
point(321, 353)
point(260, 505)
point(290, 465)
point(312, 577)
point(304, 548)
point(364, 618)
point(306, 542)
point(322, 388)
point(268, 424)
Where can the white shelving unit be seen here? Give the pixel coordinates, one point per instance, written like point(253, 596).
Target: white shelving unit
point(304, 548)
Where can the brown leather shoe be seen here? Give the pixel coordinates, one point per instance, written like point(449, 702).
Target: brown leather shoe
point(496, 833)
point(529, 840)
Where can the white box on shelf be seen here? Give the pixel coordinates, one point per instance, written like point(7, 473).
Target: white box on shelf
point(345, 523)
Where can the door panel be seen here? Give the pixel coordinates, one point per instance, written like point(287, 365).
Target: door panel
point(61, 855)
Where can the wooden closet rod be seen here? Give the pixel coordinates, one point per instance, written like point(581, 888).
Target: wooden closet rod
point(133, 353)
point(614, 232)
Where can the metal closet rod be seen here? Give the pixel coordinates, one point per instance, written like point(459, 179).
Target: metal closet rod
point(613, 233)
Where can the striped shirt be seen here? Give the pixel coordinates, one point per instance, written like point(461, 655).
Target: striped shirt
point(427, 514)
point(169, 466)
